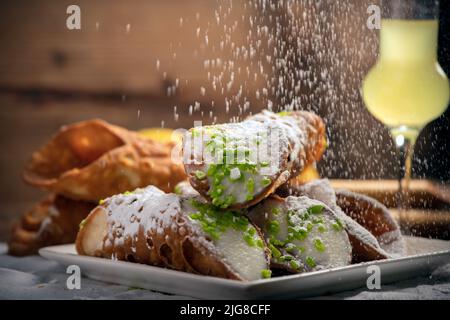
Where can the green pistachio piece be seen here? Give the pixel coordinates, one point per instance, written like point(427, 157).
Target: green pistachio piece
point(266, 274)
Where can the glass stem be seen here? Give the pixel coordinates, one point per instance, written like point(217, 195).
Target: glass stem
point(405, 142)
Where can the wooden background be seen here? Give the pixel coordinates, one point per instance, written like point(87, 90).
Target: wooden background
point(50, 76)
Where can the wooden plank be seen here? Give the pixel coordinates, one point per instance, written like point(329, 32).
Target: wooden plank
point(28, 122)
point(106, 55)
point(426, 223)
point(424, 217)
point(423, 193)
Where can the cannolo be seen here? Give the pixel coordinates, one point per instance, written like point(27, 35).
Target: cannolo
point(363, 237)
point(52, 221)
point(182, 233)
point(302, 234)
point(237, 165)
point(375, 217)
point(92, 160)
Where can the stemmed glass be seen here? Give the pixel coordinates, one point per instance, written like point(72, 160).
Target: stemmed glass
point(407, 88)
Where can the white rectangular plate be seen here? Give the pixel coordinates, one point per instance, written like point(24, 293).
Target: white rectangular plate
point(427, 255)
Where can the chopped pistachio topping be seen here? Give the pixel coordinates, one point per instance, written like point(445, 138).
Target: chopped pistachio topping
point(177, 190)
point(338, 226)
point(250, 188)
point(249, 237)
point(286, 258)
point(297, 233)
point(300, 224)
point(200, 175)
point(266, 273)
point(290, 247)
point(275, 210)
point(260, 243)
point(308, 219)
point(311, 262)
point(266, 182)
point(319, 245)
point(264, 164)
point(223, 171)
point(316, 209)
point(273, 227)
point(317, 220)
point(275, 252)
point(276, 242)
point(294, 264)
point(214, 222)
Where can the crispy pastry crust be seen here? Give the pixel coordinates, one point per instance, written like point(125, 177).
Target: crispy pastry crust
point(92, 160)
point(164, 237)
point(311, 150)
point(373, 216)
point(52, 221)
point(260, 215)
point(373, 233)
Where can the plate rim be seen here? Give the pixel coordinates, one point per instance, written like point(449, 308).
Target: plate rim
point(236, 283)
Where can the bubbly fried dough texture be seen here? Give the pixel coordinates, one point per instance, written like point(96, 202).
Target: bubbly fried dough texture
point(52, 221)
point(159, 229)
point(361, 220)
point(300, 141)
point(92, 160)
point(375, 217)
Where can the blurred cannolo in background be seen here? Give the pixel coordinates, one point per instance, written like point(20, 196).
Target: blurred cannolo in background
point(79, 166)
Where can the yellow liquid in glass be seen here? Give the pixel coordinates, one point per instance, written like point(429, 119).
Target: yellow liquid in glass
point(407, 87)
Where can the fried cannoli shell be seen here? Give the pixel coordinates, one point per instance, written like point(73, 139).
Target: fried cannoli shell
point(337, 250)
point(92, 160)
point(364, 238)
point(151, 227)
point(304, 133)
point(165, 249)
point(375, 217)
point(54, 220)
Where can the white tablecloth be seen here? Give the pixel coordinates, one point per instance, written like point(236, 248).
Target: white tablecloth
point(37, 278)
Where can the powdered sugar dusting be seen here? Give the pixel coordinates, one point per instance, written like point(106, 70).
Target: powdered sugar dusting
point(281, 142)
point(149, 208)
point(171, 217)
point(390, 242)
point(323, 191)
